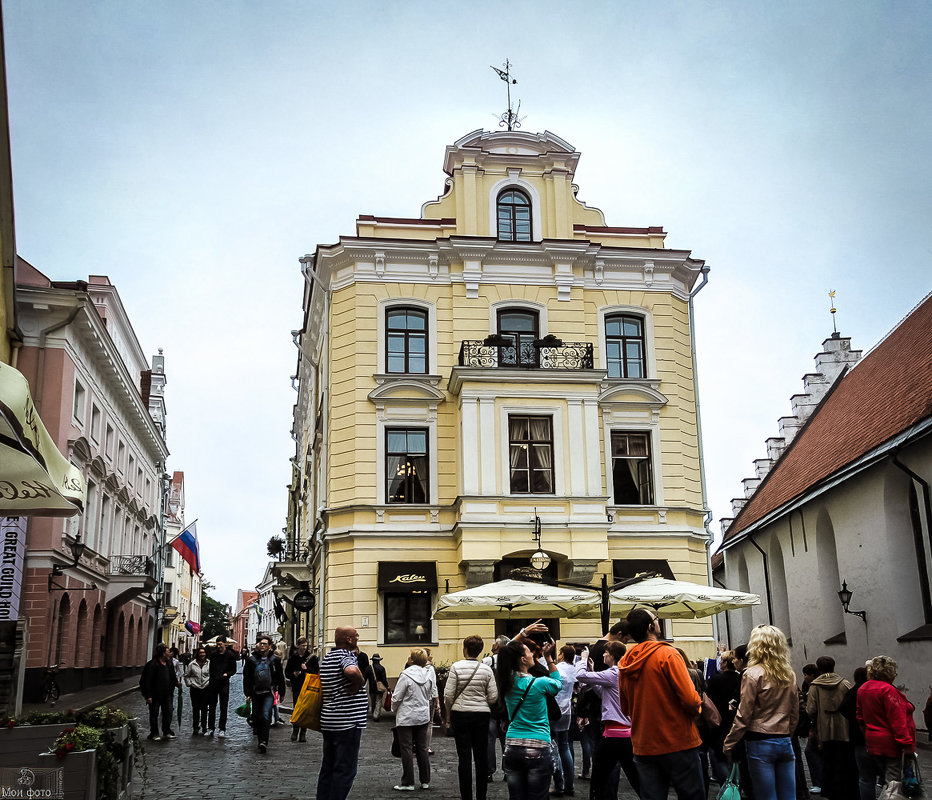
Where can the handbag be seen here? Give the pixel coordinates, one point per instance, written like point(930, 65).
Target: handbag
point(911, 784)
point(306, 712)
point(730, 789)
point(709, 712)
point(396, 746)
point(387, 700)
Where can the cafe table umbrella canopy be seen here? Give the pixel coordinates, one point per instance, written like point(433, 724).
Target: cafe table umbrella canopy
point(35, 478)
point(678, 599)
point(516, 599)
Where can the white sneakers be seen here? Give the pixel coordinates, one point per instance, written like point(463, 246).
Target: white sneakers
point(222, 734)
point(402, 788)
point(425, 785)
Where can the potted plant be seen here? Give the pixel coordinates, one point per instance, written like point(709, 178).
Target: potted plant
point(75, 750)
point(22, 738)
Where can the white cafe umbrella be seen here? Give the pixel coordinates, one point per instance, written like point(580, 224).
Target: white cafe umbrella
point(678, 599)
point(515, 599)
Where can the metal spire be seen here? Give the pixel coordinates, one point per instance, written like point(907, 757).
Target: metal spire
point(831, 295)
point(510, 118)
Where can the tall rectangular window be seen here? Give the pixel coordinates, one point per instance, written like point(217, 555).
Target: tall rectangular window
point(95, 422)
point(632, 482)
point(108, 441)
point(624, 346)
point(406, 340)
point(80, 400)
point(406, 466)
point(121, 455)
point(407, 617)
point(530, 442)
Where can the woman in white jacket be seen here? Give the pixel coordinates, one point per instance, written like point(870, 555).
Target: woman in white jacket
point(413, 702)
point(197, 677)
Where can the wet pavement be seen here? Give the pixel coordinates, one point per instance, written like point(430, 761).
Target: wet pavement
point(232, 768)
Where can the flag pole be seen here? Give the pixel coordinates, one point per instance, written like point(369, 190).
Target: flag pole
point(185, 529)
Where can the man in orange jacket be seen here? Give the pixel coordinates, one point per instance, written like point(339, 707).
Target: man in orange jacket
point(658, 696)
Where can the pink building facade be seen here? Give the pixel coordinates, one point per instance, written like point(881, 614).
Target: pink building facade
point(103, 404)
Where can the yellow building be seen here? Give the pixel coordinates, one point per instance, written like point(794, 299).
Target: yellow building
point(503, 358)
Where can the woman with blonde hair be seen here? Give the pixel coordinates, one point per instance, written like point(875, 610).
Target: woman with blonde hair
point(413, 702)
point(767, 714)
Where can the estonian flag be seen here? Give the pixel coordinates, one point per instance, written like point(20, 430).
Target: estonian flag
point(186, 545)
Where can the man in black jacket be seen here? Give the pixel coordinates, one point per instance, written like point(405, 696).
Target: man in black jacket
point(222, 666)
point(263, 675)
point(157, 684)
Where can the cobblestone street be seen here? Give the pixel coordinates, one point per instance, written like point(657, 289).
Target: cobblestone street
point(232, 769)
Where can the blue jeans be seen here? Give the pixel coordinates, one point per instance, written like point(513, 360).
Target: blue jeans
point(338, 764)
point(262, 716)
point(528, 770)
point(773, 768)
point(681, 770)
point(565, 771)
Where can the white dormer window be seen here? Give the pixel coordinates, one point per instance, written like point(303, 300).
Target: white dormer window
point(514, 216)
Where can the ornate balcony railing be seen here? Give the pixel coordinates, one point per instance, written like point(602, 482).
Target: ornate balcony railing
point(546, 353)
point(132, 565)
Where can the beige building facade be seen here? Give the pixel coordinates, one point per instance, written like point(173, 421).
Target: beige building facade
point(501, 362)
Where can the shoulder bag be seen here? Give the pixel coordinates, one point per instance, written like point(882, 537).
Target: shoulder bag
point(520, 702)
point(456, 694)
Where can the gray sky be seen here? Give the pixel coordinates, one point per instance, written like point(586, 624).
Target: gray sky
point(193, 151)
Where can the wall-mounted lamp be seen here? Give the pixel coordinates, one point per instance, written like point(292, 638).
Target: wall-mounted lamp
point(844, 595)
point(540, 560)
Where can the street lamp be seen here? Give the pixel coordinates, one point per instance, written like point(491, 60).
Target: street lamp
point(844, 595)
point(540, 560)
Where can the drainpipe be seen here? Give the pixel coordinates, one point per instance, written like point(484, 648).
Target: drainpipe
point(704, 274)
point(727, 620)
point(43, 337)
point(763, 556)
point(920, 548)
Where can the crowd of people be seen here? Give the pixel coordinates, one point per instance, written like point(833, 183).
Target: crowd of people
point(637, 706)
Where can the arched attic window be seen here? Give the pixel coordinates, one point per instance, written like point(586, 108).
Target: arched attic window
point(514, 216)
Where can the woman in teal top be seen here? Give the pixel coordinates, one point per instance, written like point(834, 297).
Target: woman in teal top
point(528, 763)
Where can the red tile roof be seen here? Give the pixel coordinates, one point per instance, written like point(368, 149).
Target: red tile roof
point(889, 391)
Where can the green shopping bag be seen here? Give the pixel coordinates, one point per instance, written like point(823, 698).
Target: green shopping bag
point(730, 789)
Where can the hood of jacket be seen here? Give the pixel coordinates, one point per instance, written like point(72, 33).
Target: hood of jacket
point(831, 679)
point(633, 661)
point(419, 675)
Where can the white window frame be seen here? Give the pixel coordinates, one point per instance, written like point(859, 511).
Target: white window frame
point(652, 429)
point(650, 358)
point(79, 407)
point(558, 426)
point(530, 190)
point(392, 302)
point(406, 418)
point(543, 323)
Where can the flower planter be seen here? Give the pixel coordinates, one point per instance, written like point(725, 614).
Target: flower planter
point(20, 746)
point(80, 772)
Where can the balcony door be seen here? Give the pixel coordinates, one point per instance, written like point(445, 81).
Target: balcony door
point(520, 328)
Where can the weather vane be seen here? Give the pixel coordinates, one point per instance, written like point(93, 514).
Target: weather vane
point(510, 118)
point(831, 295)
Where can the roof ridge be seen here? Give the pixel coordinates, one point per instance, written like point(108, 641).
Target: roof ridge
point(894, 329)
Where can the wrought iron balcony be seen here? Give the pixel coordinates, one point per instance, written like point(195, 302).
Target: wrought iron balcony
point(132, 565)
point(501, 352)
point(130, 576)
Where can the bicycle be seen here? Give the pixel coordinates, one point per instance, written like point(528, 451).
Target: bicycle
point(51, 691)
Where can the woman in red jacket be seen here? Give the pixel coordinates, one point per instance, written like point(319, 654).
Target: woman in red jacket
point(886, 717)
